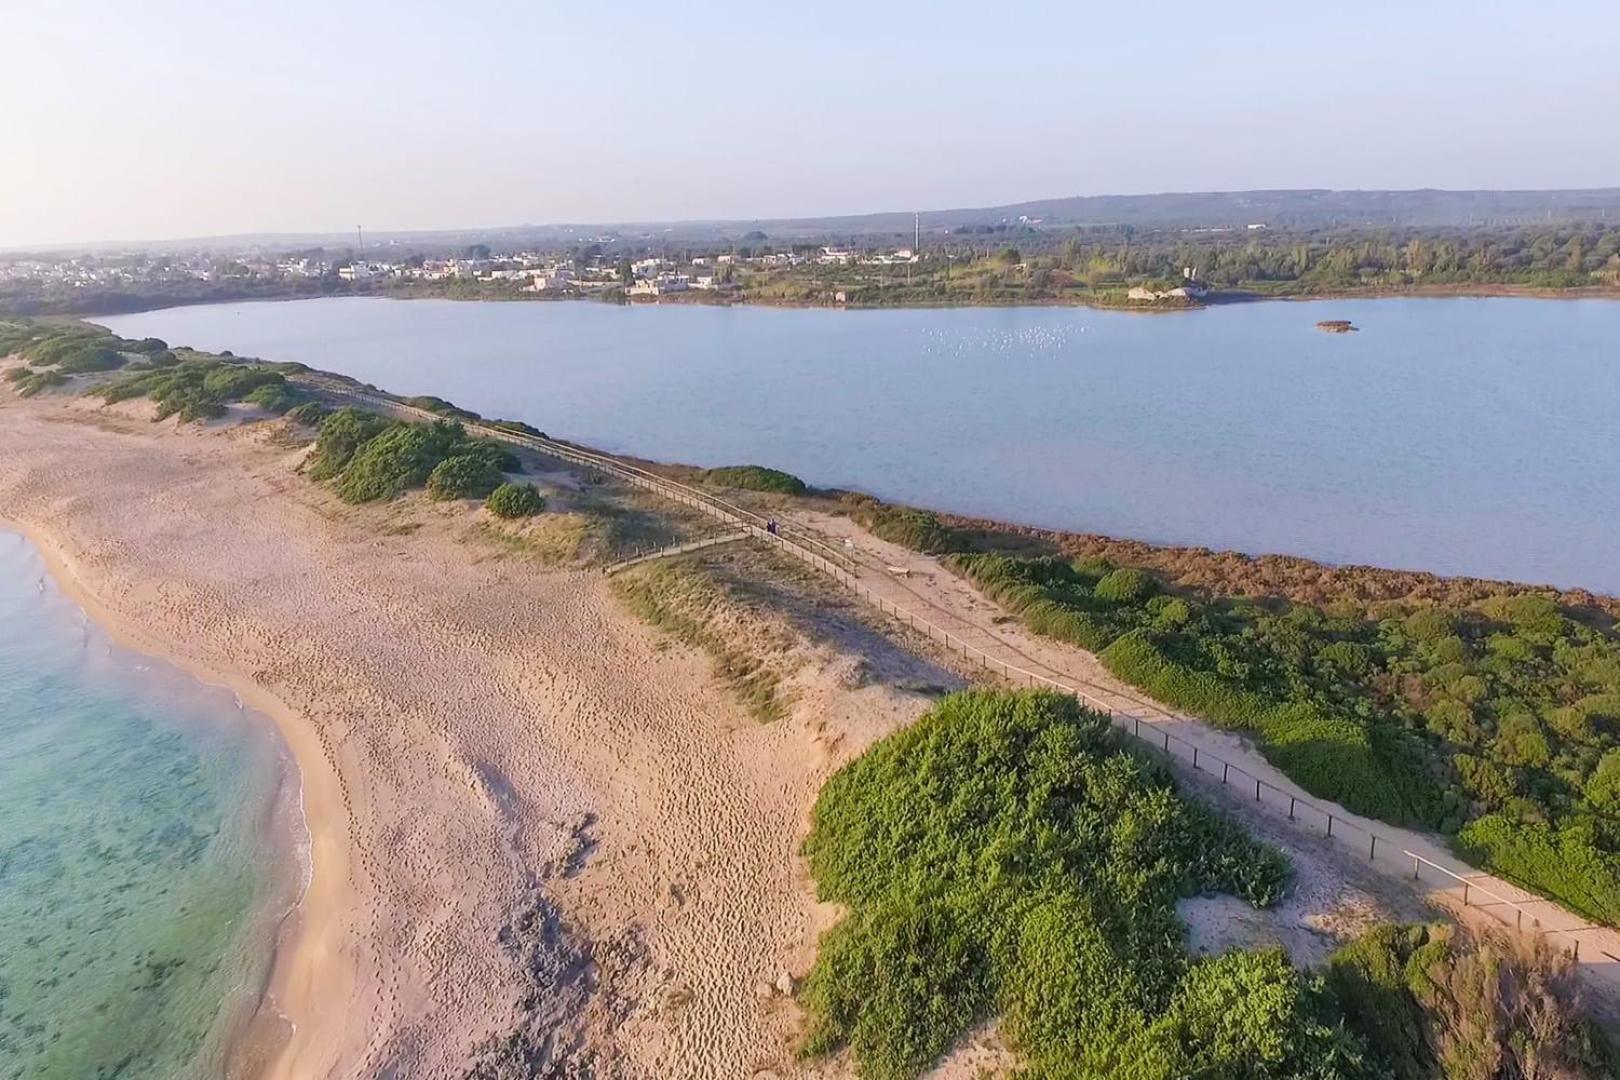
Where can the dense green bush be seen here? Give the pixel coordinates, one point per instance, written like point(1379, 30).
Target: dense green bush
point(1430, 716)
point(194, 389)
point(276, 398)
point(1430, 1002)
point(464, 476)
point(1566, 863)
point(517, 427)
point(372, 458)
point(754, 478)
point(398, 458)
point(342, 433)
point(310, 413)
point(1007, 855)
point(429, 403)
point(32, 382)
point(1375, 982)
point(1126, 586)
point(920, 530)
point(515, 501)
point(92, 359)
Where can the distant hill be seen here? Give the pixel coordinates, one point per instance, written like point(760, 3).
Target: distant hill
point(1217, 209)
point(1427, 207)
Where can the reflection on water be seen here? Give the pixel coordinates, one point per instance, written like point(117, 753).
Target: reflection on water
point(136, 809)
point(1463, 436)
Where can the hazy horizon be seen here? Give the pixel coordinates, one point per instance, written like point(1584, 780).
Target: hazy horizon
point(184, 120)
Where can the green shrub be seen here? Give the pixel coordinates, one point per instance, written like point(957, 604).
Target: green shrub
point(754, 478)
point(195, 389)
point(1535, 617)
point(276, 398)
point(1007, 855)
point(342, 433)
point(1127, 586)
point(1566, 864)
point(919, 530)
point(1371, 982)
point(515, 501)
point(429, 403)
point(1431, 624)
point(91, 360)
point(517, 427)
point(464, 476)
point(37, 381)
point(396, 459)
point(310, 414)
point(233, 382)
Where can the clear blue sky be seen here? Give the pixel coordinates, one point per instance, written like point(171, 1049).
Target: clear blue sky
point(170, 118)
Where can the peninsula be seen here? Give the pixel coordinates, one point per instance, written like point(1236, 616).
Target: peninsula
point(570, 814)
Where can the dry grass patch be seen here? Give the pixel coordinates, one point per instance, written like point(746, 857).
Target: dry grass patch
point(549, 539)
point(754, 656)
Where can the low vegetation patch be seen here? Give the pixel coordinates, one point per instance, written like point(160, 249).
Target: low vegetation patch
point(750, 656)
point(1430, 1004)
point(370, 457)
point(1498, 724)
point(1008, 856)
point(29, 382)
point(920, 530)
point(310, 414)
point(754, 478)
point(464, 476)
point(89, 359)
point(199, 388)
point(511, 501)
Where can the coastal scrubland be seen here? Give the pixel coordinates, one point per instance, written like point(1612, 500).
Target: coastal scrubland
point(1008, 855)
point(1488, 712)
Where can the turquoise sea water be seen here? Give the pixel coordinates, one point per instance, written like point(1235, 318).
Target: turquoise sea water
point(139, 865)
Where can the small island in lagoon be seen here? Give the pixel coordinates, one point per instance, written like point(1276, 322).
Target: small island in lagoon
point(1337, 326)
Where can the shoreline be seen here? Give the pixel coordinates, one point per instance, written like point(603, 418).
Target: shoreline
point(262, 1043)
point(1226, 299)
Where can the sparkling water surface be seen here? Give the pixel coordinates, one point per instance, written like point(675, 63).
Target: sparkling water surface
point(1464, 436)
point(138, 850)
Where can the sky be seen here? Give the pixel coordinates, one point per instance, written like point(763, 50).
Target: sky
point(180, 118)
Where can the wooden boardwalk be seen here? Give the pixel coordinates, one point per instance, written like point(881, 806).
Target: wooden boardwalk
point(675, 549)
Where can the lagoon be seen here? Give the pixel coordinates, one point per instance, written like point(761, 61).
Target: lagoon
point(143, 862)
point(1462, 436)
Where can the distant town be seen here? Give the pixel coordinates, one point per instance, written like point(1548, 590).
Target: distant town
point(1025, 259)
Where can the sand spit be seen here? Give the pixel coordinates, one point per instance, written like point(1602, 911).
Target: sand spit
point(544, 841)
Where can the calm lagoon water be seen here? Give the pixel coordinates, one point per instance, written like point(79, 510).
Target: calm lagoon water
point(138, 816)
point(1469, 436)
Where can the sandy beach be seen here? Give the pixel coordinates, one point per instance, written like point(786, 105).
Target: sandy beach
point(539, 833)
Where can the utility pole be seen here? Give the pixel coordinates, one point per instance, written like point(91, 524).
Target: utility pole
point(360, 234)
point(916, 245)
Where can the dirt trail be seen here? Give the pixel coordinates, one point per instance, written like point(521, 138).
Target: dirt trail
point(918, 584)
